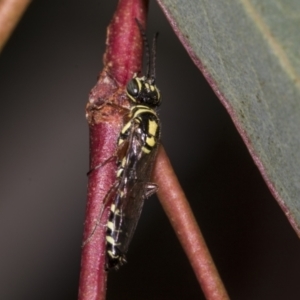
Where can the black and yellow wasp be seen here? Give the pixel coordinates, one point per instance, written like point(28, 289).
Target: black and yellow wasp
point(137, 147)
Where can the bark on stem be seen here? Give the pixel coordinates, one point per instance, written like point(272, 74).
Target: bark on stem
point(183, 221)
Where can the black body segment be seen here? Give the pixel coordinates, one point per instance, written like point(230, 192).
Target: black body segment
point(142, 91)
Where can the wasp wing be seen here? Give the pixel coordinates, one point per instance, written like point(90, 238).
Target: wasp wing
point(134, 185)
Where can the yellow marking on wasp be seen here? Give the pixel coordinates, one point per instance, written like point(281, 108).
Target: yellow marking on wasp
point(132, 98)
point(138, 80)
point(120, 141)
point(120, 172)
point(110, 253)
point(126, 127)
point(146, 150)
point(152, 88)
point(152, 127)
point(111, 226)
point(112, 208)
point(140, 106)
point(110, 240)
point(123, 161)
point(150, 141)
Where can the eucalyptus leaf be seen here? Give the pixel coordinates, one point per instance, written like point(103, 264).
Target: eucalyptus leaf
point(249, 52)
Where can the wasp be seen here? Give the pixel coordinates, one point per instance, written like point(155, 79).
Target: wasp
point(137, 148)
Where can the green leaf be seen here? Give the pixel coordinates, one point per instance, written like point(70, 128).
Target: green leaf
point(249, 52)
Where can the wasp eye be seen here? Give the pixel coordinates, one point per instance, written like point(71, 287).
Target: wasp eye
point(132, 88)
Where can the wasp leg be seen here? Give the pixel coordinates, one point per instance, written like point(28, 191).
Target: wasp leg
point(108, 196)
point(150, 189)
point(113, 157)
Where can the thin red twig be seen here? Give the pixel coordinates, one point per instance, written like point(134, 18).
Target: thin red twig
point(183, 221)
point(11, 12)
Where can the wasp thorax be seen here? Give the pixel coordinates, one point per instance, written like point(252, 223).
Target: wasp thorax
point(142, 91)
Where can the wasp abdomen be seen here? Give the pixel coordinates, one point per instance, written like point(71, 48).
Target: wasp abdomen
point(115, 257)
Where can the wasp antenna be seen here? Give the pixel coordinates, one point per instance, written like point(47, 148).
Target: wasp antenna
point(146, 44)
point(153, 58)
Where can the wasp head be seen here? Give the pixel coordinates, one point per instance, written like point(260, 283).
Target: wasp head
point(142, 90)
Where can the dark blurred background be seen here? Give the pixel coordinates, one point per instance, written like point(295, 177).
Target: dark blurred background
point(46, 71)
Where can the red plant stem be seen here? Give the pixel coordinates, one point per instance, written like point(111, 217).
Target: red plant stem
point(11, 12)
point(105, 111)
point(183, 221)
